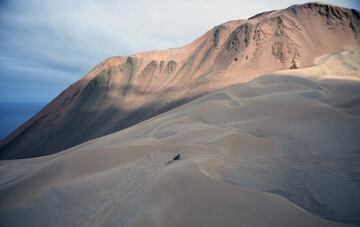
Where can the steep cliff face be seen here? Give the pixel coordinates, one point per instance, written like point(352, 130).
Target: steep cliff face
point(123, 91)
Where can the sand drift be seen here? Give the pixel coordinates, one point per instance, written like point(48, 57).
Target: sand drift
point(280, 150)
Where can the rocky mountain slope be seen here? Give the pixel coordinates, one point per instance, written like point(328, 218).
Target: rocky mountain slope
point(279, 150)
point(122, 91)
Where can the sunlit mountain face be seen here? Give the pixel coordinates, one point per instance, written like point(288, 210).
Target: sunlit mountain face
point(254, 123)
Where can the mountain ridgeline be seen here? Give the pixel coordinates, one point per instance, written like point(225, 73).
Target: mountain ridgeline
point(123, 91)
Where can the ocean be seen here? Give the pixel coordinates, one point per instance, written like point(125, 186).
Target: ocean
point(12, 115)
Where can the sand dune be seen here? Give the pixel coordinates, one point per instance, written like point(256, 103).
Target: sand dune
point(280, 150)
point(125, 90)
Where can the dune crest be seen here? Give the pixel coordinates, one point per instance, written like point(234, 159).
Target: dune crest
point(279, 150)
point(125, 90)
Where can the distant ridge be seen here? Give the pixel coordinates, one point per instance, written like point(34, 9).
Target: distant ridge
point(123, 91)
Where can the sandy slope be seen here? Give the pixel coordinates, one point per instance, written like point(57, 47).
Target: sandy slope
point(280, 150)
point(122, 91)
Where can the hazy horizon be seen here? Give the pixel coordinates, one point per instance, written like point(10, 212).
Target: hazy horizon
point(12, 115)
point(259, 116)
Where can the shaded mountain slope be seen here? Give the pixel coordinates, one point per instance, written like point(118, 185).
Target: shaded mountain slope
point(122, 91)
point(291, 133)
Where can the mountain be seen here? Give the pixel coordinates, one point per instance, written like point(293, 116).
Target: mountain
point(123, 91)
point(279, 150)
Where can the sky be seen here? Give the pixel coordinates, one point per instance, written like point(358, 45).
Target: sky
point(46, 45)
